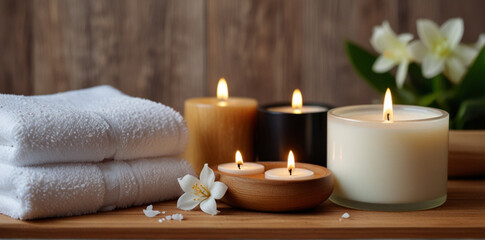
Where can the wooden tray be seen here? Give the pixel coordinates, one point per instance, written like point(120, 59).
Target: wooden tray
point(462, 216)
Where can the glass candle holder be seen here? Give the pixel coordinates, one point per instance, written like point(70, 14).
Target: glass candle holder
point(398, 165)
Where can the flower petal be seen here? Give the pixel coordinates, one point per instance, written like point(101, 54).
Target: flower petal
point(401, 73)
point(429, 33)
point(207, 176)
point(453, 31)
point(209, 206)
point(149, 212)
point(480, 42)
point(454, 70)
point(383, 64)
point(218, 190)
point(466, 54)
point(405, 37)
point(432, 66)
point(383, 37)
point(188, 201)
point(187, 182)
point(417, 50)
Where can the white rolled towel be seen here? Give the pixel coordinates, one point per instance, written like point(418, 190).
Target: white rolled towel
point(57, 190)
point(87, 126)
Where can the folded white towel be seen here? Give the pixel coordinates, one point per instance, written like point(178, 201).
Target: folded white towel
point(87, 126)
point(56, 190)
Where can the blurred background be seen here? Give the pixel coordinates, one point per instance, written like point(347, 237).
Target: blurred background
point(171, 50)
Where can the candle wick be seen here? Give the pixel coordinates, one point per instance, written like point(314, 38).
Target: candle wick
point(388, 116)
point(239, 165)
point(290, 170)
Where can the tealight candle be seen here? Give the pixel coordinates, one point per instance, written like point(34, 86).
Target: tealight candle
point(296, 126)
point(289, 173)
point(240, 167)
point(218, 127)
point(391, 158)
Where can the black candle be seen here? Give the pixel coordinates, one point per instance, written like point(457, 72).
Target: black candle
point(303, 130)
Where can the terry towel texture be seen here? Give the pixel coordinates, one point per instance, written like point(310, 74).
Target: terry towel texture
point(87, 126)
point(72, 189)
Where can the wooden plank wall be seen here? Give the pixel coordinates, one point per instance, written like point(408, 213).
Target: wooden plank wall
point(171, 50)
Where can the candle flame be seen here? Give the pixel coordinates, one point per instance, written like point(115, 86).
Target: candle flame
point(387, 110)
point(222, 91)
point(239, 159)
point(297, 101)
point(291, 163)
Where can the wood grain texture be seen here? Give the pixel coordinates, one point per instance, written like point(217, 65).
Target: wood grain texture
point(256, 46)
point(327, 75)
point(15, 44)
point(462, 216)
point(171, 50)
point(151, 49)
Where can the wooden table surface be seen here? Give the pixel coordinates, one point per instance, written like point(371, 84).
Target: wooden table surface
point(462, 216)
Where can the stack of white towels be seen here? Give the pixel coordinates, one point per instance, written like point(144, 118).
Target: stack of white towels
point(85, 151)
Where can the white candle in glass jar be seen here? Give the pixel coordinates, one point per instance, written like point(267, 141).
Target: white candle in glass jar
point(394, 164)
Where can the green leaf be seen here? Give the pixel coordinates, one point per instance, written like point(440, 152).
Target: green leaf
point(362, 62)
point(428, 100)
point(473, 84)
point(422, 84)
point(443, 101)
point(471, 114)
point(437, 99)
point(440, 83)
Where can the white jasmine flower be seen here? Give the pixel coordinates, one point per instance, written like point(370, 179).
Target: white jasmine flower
point(439, 49)
point(393, 49)
point(204, 191)
point(149, 212)
point(480, 43)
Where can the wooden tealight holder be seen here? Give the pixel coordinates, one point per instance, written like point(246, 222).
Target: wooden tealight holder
point(254, 192)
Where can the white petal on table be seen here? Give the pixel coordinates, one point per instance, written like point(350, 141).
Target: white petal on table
point(149, 212)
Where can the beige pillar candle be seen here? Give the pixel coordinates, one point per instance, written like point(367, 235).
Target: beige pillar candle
point(218, 127)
